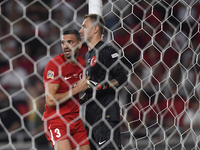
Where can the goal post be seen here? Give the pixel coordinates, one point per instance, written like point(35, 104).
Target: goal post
point(95, 7)
point(159, 44)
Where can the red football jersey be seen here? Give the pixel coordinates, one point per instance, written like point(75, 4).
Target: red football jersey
point(60, 71)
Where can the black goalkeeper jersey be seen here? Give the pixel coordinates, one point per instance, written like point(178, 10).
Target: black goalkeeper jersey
point(102, 64)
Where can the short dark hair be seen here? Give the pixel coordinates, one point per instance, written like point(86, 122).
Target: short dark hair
point(95, 18)
point(73, 31)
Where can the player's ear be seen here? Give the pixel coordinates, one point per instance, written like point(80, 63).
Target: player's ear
point(96, 29)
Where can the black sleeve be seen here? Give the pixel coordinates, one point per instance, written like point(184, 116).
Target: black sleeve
point(112, 61)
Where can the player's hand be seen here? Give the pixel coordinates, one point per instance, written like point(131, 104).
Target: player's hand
point(82, 84)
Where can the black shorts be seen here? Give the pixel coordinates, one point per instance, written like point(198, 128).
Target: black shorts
point(104, 136)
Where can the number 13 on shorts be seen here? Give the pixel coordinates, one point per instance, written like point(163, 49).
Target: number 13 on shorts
point(55, 135)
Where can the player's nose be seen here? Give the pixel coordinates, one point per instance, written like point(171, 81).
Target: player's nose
point(66, 45)
point(81, 31)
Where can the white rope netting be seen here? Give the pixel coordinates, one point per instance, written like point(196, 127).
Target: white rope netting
point(159, 44)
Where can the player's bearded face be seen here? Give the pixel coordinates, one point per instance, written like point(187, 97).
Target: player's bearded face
point(70, 46)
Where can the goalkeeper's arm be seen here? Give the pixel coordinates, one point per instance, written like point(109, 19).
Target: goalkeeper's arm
point(102, 87)
point(106, 86)
point(99, 87)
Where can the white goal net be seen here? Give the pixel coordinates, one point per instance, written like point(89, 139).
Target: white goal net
point(159, 43)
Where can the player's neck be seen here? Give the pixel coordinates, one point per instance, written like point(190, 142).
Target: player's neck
point(71, 60)
point(94, 42)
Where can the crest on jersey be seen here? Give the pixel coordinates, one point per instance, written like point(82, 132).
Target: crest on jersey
point(50, 74)
point(93, 61)
point(114, 55)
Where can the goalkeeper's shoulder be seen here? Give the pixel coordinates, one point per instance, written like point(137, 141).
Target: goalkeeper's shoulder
point(110, 49)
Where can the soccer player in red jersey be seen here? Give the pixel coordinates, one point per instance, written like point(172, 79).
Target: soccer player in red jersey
point(63, 81)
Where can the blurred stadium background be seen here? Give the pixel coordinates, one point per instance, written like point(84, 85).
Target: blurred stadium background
point(159, 42)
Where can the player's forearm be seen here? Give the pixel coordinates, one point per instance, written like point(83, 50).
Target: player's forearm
point(59, 98)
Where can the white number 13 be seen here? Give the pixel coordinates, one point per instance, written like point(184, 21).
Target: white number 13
point(57, 131)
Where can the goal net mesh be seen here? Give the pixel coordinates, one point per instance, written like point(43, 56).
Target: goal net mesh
point(159, 45)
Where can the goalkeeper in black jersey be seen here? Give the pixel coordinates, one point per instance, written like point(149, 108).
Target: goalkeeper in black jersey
point(106, 74)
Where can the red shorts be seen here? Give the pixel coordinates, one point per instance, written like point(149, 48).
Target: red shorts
point(66, 128)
